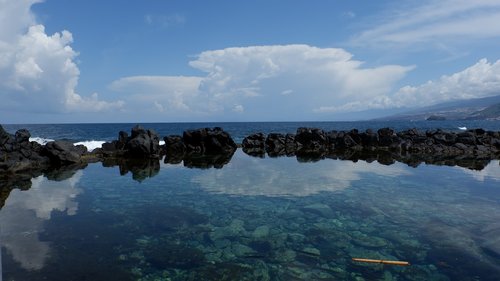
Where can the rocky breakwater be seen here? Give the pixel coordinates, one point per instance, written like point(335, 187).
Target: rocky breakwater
point(22, 159)
point(18, 154)
point(200, 148)
point(471, 149)
point(138, 153)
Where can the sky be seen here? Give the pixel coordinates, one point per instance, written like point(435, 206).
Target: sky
point(89, 61)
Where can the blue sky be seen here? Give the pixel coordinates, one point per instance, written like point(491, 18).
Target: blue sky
point(168, 61)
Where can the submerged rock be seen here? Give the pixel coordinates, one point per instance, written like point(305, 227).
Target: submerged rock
point(319, 209)
point(261, 232)
point(366, 241)
point(163, 256)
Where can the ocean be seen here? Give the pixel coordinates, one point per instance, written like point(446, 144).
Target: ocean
point(254, 218)
point(93, 135)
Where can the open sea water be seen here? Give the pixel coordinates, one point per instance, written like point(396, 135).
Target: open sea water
point(254, 218)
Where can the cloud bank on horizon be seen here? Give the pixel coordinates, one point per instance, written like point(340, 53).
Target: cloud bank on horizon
point(264, 81)
point(39, 73)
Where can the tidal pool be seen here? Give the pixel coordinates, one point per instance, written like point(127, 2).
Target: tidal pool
point(256, 219)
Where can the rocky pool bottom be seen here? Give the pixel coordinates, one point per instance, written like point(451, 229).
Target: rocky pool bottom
point(256, 219)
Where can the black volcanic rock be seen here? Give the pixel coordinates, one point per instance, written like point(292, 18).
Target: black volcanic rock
point(386, 146)
point(18, 154)
point(200, 148)
point(254, 145)
point(22, 136)
point(174, 149)
point(142, 143)
point(369, 139)
point(387, 138)
point(4, 136)
point(254, 141)
point(467, 138)
point(275, 144)
point(174, 145)
point(290, 144)
point(64, 152)
point(208, 141)
point(311, 140)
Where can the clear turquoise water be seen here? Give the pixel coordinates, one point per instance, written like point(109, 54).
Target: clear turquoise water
point(256, 219)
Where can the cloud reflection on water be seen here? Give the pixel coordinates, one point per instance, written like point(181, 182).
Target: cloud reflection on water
point(24, 214)
point(287, 177)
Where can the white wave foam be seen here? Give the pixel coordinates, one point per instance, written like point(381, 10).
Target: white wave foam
point(41, 141)
point(91, 145)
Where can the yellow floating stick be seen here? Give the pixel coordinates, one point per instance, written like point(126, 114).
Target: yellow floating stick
point(401, 263)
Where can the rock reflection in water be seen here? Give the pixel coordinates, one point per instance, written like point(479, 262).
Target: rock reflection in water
point(491, 171)
point(141, 168)
point(200, 160)
point(25, 211)
point(384, 157)
point(23, 181)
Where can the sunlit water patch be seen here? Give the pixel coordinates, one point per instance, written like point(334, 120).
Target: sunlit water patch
point(256, 219)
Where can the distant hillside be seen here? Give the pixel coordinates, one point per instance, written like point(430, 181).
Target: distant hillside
point(490, 112)
point(473, 109)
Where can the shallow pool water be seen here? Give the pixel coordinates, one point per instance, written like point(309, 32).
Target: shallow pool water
point(256, 219)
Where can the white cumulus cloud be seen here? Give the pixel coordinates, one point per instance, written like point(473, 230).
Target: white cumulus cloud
point(268, 82)
point(37, 71)
point(477, 81)
point(167, 94)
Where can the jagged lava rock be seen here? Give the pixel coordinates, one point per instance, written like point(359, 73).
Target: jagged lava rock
point(142, 143)
point(64, 152)
point(208, 141)
point(254, 144)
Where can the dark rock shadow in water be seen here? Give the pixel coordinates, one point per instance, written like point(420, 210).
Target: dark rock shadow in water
point(199, 160)
point(383, 157)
